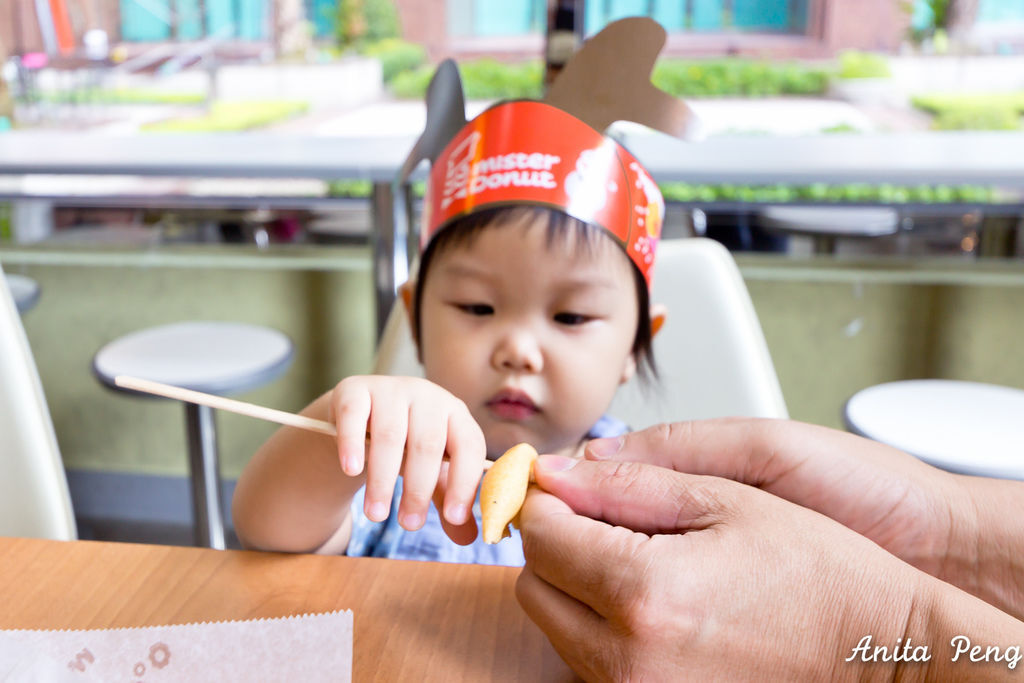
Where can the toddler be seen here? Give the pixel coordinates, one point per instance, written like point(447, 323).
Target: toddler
point(529, 310)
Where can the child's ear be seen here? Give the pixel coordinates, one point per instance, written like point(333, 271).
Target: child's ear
point(407, 292)
point(628, 370)
point(659, 312)
point(658, 315)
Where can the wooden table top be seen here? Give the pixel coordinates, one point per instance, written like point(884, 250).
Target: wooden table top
point(413, 620)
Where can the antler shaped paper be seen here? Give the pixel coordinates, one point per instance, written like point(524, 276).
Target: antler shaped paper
point(609, 80)
point(554, 152)
point(446, 115)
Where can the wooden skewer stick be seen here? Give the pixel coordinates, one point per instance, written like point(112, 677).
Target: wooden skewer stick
point(232, 406)
point(228, 404)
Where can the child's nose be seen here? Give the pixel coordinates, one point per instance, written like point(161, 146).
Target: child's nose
point(519, 351)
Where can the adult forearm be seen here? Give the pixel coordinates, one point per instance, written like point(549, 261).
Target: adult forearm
point(968, 531)
point(967, 638)
point(986, 556)
point(945, 635)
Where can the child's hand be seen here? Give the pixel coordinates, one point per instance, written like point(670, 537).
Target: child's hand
point(411, 423)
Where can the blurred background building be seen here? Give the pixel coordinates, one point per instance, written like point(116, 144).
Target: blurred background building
point(795, 28)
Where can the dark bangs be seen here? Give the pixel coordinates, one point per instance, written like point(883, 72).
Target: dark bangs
point(560, 226)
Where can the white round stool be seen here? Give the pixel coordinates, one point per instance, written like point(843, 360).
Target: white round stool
point(964, 427)
point(213, 357)
point(24, 290)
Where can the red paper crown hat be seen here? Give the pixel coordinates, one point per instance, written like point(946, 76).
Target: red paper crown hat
point(551, 152)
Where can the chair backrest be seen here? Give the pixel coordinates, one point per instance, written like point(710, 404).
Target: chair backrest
point(711, 353)
point(396, 352)
point(34, 498)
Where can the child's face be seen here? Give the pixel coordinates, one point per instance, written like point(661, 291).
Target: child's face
point(534, 337)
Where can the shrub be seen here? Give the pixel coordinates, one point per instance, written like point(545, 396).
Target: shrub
point(232, 116)
point(853, 64)
point(482, 79)
point(395, 56)
point(936, 103)
point(731, 77)
point(490, 79)
point(349, 188)
point(822, 192)
point(485, 79)
point(977, 118)
point(412, 85)
point(841, 128)
point(360, 22)
point(995, 111)
point(128, 96)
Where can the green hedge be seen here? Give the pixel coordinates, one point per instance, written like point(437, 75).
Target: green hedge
point(349, 188)
point(997, 111)
point(126, 96)
point(396, 56)
point(232, 116)
point(490, 79)
point(936, 103)
point(816, 192)
point(821, 192)
point(737, 77)
point(977, 118)
point(853, 64)
point(482, 79)
point(367, 21)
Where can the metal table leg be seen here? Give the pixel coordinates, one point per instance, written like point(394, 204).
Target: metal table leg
point(204, 470)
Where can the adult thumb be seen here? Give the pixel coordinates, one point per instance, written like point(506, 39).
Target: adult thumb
point(656, 445)
point(722, 447)
point(634, 495)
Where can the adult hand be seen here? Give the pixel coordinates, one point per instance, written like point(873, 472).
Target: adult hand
point(917, 512)
point(636, 572)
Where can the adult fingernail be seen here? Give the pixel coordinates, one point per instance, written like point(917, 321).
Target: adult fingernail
point(599, 449)
point(555, 463)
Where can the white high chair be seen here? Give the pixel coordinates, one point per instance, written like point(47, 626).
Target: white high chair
point(711, 354)
point(34, 498)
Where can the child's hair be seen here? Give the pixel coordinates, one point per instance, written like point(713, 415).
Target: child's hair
point(559, 225)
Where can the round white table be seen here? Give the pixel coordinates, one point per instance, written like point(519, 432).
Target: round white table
point(212, 357)
point(963, 427)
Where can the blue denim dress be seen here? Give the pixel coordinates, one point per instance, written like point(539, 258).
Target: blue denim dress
point(389, 539)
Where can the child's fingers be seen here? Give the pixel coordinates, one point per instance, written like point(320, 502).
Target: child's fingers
point(351, 406)
point(424, 448)
point(389, 418)
point(467, 452)
point(463, 534)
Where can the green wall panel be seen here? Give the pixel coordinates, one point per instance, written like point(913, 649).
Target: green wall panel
point(832, 328)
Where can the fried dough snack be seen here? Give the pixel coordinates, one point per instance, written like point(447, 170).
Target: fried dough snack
point(503, 490)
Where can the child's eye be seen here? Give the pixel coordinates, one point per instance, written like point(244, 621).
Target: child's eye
point(476, 309)
point(571, 318)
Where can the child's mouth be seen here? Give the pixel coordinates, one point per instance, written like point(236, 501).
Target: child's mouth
point(510, 404)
